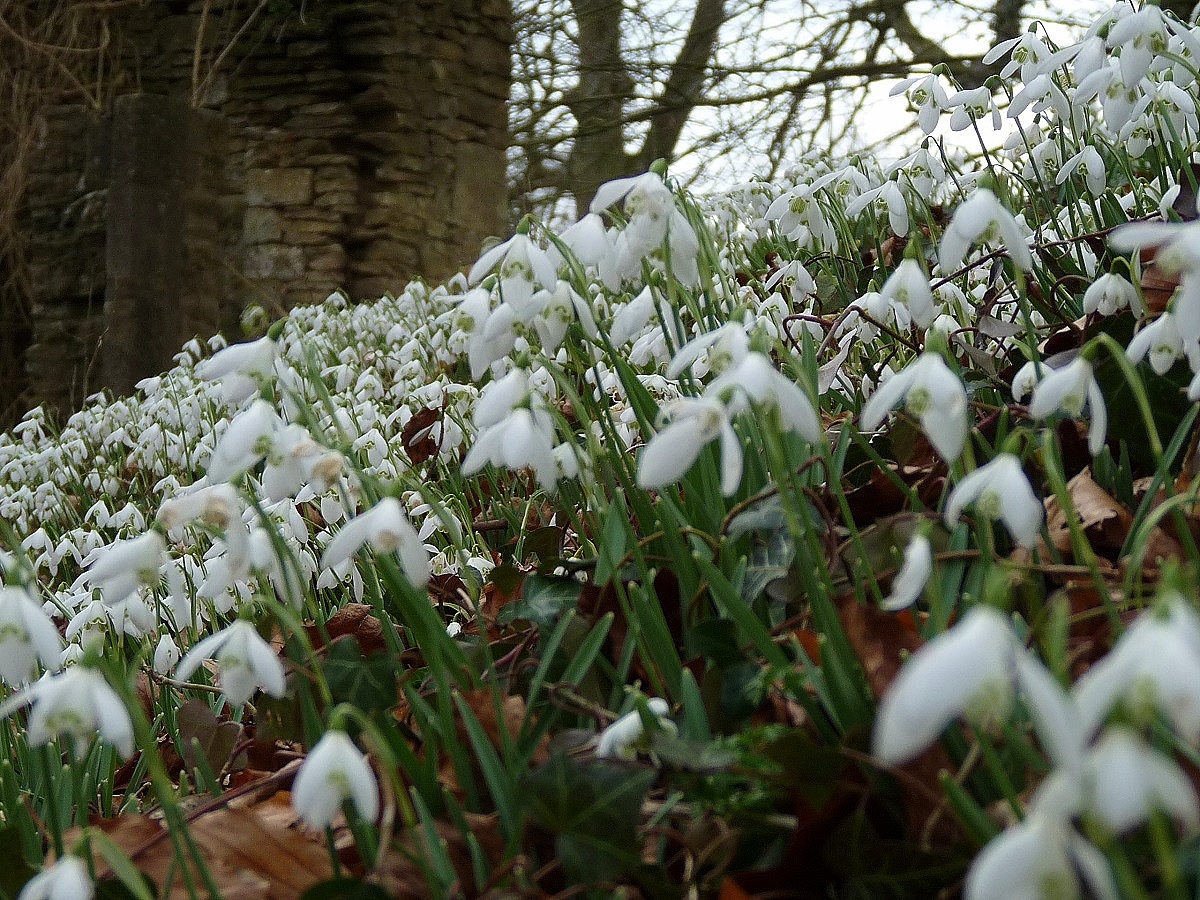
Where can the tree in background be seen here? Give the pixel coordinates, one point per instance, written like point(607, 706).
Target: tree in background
point(721, 85)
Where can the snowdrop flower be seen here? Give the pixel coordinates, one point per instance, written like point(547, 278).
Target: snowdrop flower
point(1121, 781)
point(621, 738)
point(932, 393)
point(970, 106)
point(296, 460)
point(65, 879)
point(981, 218)
point(1155, 666)
point(923, 170)
point(1030, 54)
point(908, 285)
point(27, 636)
point(1068, 390)
point(1000, 490)
point(757, 380)
point(1111, 293)
point(522, 267)
point(166, 655)
point(909, 583)
point(976, 669)
point(123, 566)
point(1040, 857)
point(77, 703)
point(1141, 36)
point(695, 421)
point(801, 219)
point(925, 95)
point(588, 239)
point(556, 310)
point(1089, 164)
point(652, 220)
point(333, 771)
point(248, 438)
point(386, 528)
point(893, 200)
point(1161, 341)
point(524, 438)
point(241, 369)
point(1026, 379)
point(247, 662)
point(216, 506)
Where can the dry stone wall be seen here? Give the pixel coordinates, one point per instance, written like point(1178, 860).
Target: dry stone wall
point(327, 145)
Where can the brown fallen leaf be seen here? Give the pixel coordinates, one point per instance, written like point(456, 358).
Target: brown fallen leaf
point(248, 856)
point(1105, 523)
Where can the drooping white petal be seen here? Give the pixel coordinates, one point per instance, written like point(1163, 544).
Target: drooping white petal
point(334, 771)
point(957, 671)
point(909, 582)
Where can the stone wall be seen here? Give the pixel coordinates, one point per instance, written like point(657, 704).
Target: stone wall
point(362, 144)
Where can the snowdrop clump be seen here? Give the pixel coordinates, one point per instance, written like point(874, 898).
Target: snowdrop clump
point(365, 451)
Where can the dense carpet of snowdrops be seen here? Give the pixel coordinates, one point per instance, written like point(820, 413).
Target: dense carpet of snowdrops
point(768, 322)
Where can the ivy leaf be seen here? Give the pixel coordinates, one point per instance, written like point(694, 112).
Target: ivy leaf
point(367, 683)
point(14, 871)
point(593, 809)
point(543, 599)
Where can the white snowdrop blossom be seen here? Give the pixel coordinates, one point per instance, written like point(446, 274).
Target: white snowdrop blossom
point(972, 105)
point(1000, 490)
point(621, 738)
point(241, 369)
point(245, 442)
point(334, 770)
point(522, 267)
point(909, 286)
point(1069, 390)
point(1121, 781)
point(524, 438)
point(800, 217)
point(27, 636)
point(755, 379)
point(247, 662)
point(216, 506)
point(694, 422)
point(1026, 379)
point(123, 566)
point(1090, 166)
point(909, 583)
point(1109, 294)
point(588, 239)
point(75, 703)
point(1155, 666)
point(893, 200)
point(1160, 341)
point(386, 528)
point(1030, 54)
point(653, 222)
point(926, 96)
point(976, 669)
point(166, 655)
point(982, 219)
point(1039, 858)
point(65, 879)
point(932, 393)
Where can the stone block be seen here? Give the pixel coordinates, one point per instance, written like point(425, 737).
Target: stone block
point(309, 232)
point(339, 200)
point(282, 186)
point(274, 261)
point(260, 225)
